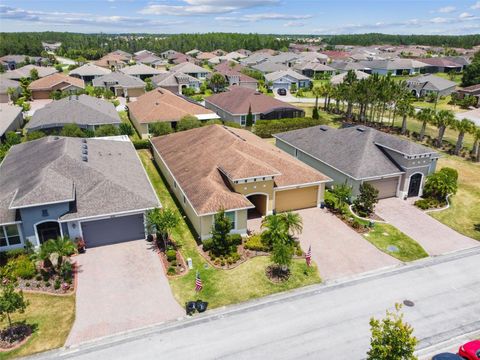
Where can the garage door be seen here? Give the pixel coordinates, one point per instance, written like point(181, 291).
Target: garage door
point(296, 199)
point(386, 187)
point(114, 230)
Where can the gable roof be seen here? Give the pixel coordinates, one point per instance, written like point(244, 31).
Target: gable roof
point(338, 79)
point(269, 66)
point(276, 75)
point(6, 83)
point(140, 69)
point(48, 82)
point(395, 64)
point(432, 82)
point(312, 65)
point(8, 114)
point(239, 99)
point(51, 169)
point(24, 71)
point(199, 159)
point(189, 68)
point(120, 79)
point(105, 61)
point(441, 62)
point(205, 56)
point(82, 110)
point(163, 105)
point(90, 69)
point(355, 151)
point(173, 79)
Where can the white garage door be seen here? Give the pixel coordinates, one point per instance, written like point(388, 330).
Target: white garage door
point(114, 230)
point(386, 187)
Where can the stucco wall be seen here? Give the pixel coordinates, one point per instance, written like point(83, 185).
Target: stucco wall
point(257, 187)
point(295, 199)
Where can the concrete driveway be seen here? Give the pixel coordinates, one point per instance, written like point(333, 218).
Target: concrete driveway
point(435, 237)
point(338, 250)
point(120, 287)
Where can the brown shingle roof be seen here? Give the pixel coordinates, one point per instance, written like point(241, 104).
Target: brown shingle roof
point(163, 105)
point(50, 81)
point(238, 100)
point(439, 62)
point(199, 159)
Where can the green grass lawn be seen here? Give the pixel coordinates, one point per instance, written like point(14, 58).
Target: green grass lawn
point(442, 104)
point(53, 317)
point(221, 287)
point(125, 119)
point(319, 83)
point(464, 212)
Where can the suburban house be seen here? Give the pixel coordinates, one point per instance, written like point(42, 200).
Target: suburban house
point(191, 69)
point(88, 72)
point(113, 61)
point(176, 82)
point(51, 46)
point(193, 52)
point(233, 74)
point(24, 72)
point(161, 105)
point(180, 58)
point(44, 87)
point(284, 79)
point(11, 62)
point(341, 66)
point(121, 84)
point(168, 54)
point(424, 85)
point(394, 67)
point(311, 69)
point(255, 59)
point(217, 167)
point(11, 119)
point(441, 65)
point(268, 66)
point(80, 188)
point(205, 56)
point(473, 90)
point(126, 55)
point(142, 54)
point(233, 105)
point(358, 154)
point(312, 57)
point(6, 84)
point(338, 79)
point(141, 71)
point(87, 112)
point(460, 60)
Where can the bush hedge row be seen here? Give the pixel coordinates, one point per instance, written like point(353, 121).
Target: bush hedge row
point(266, 128)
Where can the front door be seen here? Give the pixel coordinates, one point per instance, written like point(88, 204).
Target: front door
point(414, 187)
point(48, 230)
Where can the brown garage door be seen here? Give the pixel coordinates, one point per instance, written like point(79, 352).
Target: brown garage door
point(386, 187)
point(295, 199)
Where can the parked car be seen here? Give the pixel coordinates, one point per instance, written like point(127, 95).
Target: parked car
point(470, 350)
point(282, 92)
point(447, 356)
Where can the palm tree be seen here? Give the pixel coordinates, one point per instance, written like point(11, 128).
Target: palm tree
point(276, 230)
point(316, 91)
point(426, 116)
point(462, 126)
point(293, 221)
point(405, 109)
point(443, 119)
point(476, 147)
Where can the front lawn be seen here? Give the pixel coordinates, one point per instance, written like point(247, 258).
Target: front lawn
point(221, 287)
point(52, 316)
point(464, 212)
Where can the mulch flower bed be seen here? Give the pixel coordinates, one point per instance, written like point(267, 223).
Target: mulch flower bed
point(244, 254)
point(276, 274)
point(15, 336)
point(46, 286)
point(179, 266)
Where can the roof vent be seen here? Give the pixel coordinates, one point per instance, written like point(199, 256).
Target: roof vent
point(361, 129)
point(323, 128)
point(84, 146)
point(56, 138)
point(85, 158)
point(84, 141)
point(85, 152)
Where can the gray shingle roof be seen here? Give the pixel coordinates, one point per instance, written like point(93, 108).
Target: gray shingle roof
point(89, 69)
point(432, 82)
point(119, 79)
point(24, 71)
point(8, 114)
point(395, 64)
point(6, 83)
point(82, 110)
point(355, 151)
point(276, 75)
point(51, 169)
point(140, 69)
point(173, 79)
point(269, 66)
point(189, 68)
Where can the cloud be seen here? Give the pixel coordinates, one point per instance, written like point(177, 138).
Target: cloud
point(294, 24)
point(204, 7)
point(439, 20)
point(263, 17)
point(465, 15)
point(447, 9)
point(476, 6)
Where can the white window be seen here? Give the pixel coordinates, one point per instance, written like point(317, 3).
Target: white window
point(231, 216)
point(9, 235)
point(243, 120)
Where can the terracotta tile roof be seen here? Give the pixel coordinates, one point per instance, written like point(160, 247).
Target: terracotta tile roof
point(200, 159)
point(334, 54)
point(206, 56)
point(439, 62)
point(107, 60)
point(238, 99)
point(163, 105)
point(48, 82)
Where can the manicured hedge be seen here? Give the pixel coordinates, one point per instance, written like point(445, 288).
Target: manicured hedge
point(266, 128)
point(141, 144)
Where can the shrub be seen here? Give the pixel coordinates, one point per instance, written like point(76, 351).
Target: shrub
point(207, 244)
point(66, 270)
point(188, 122)
point(27, 284)
point(57, 284)
point(422, 204)
point(171, 271)
point(298, 251)
point(47, 284)
point(160, 128)
point(232, 124)
point(107, 130)
point(141, 144)
point(235, 257)
point(364, 204)
point(125, 129)
point(236, 239)
point(254, 243)
point(38, 277)
point(441, 183)
point(12, 254)
point(266, 128)
point(171, 255)
point(21, 267)
point(188, 91)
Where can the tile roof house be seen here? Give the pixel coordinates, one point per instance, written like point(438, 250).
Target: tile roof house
point(358, 154)
point(121, 84)
point(441, 65)
point(87, 112)
point(24, 72)
point(192, 70)
point(176, 82)
point(11, 119)
point(44, 87)
point(284, 79)
point(473, 90)
point(338, 79)
point(216, 167)
point(427, 84)
point(11, 62)
point(161, 105)
point(205, 56)
point(141, 71)
point(233, 74)
point(89, 71)
point(113, 61)
point(233, 105)
point(5, 84)
point(80, 188)
point(255, 59)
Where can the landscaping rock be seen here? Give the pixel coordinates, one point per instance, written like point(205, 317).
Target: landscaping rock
point(54, 259)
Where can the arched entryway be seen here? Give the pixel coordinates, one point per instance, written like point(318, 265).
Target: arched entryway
point(260, 202)
point(48, 230)
point(415, 183)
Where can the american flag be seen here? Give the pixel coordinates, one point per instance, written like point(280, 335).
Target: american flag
point(198, 283)
point(308, 255)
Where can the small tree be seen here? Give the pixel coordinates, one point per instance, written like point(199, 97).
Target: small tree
point(365, 202)
point(293, 88)
point(162, 221)
point(343, 193)
point(107, 130)
point(160, 128)
point(438, 185)
point(72, 130)
point(249, 121)
point(391, 338)
point(34, 74)
point(188, 122)
point(148, 84)
point(281, 255)
point(217, 82)
point(221, 228)
point(315, 114)
point(125, 129)
point(34, 135)
point(11, 302)
point(12, 138)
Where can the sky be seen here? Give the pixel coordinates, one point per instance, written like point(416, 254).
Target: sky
point(454, 17)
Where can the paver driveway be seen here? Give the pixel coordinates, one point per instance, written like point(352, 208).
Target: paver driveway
point(435, 237)
point(120, 287)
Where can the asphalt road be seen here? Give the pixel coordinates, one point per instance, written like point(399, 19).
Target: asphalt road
point(322, 322)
